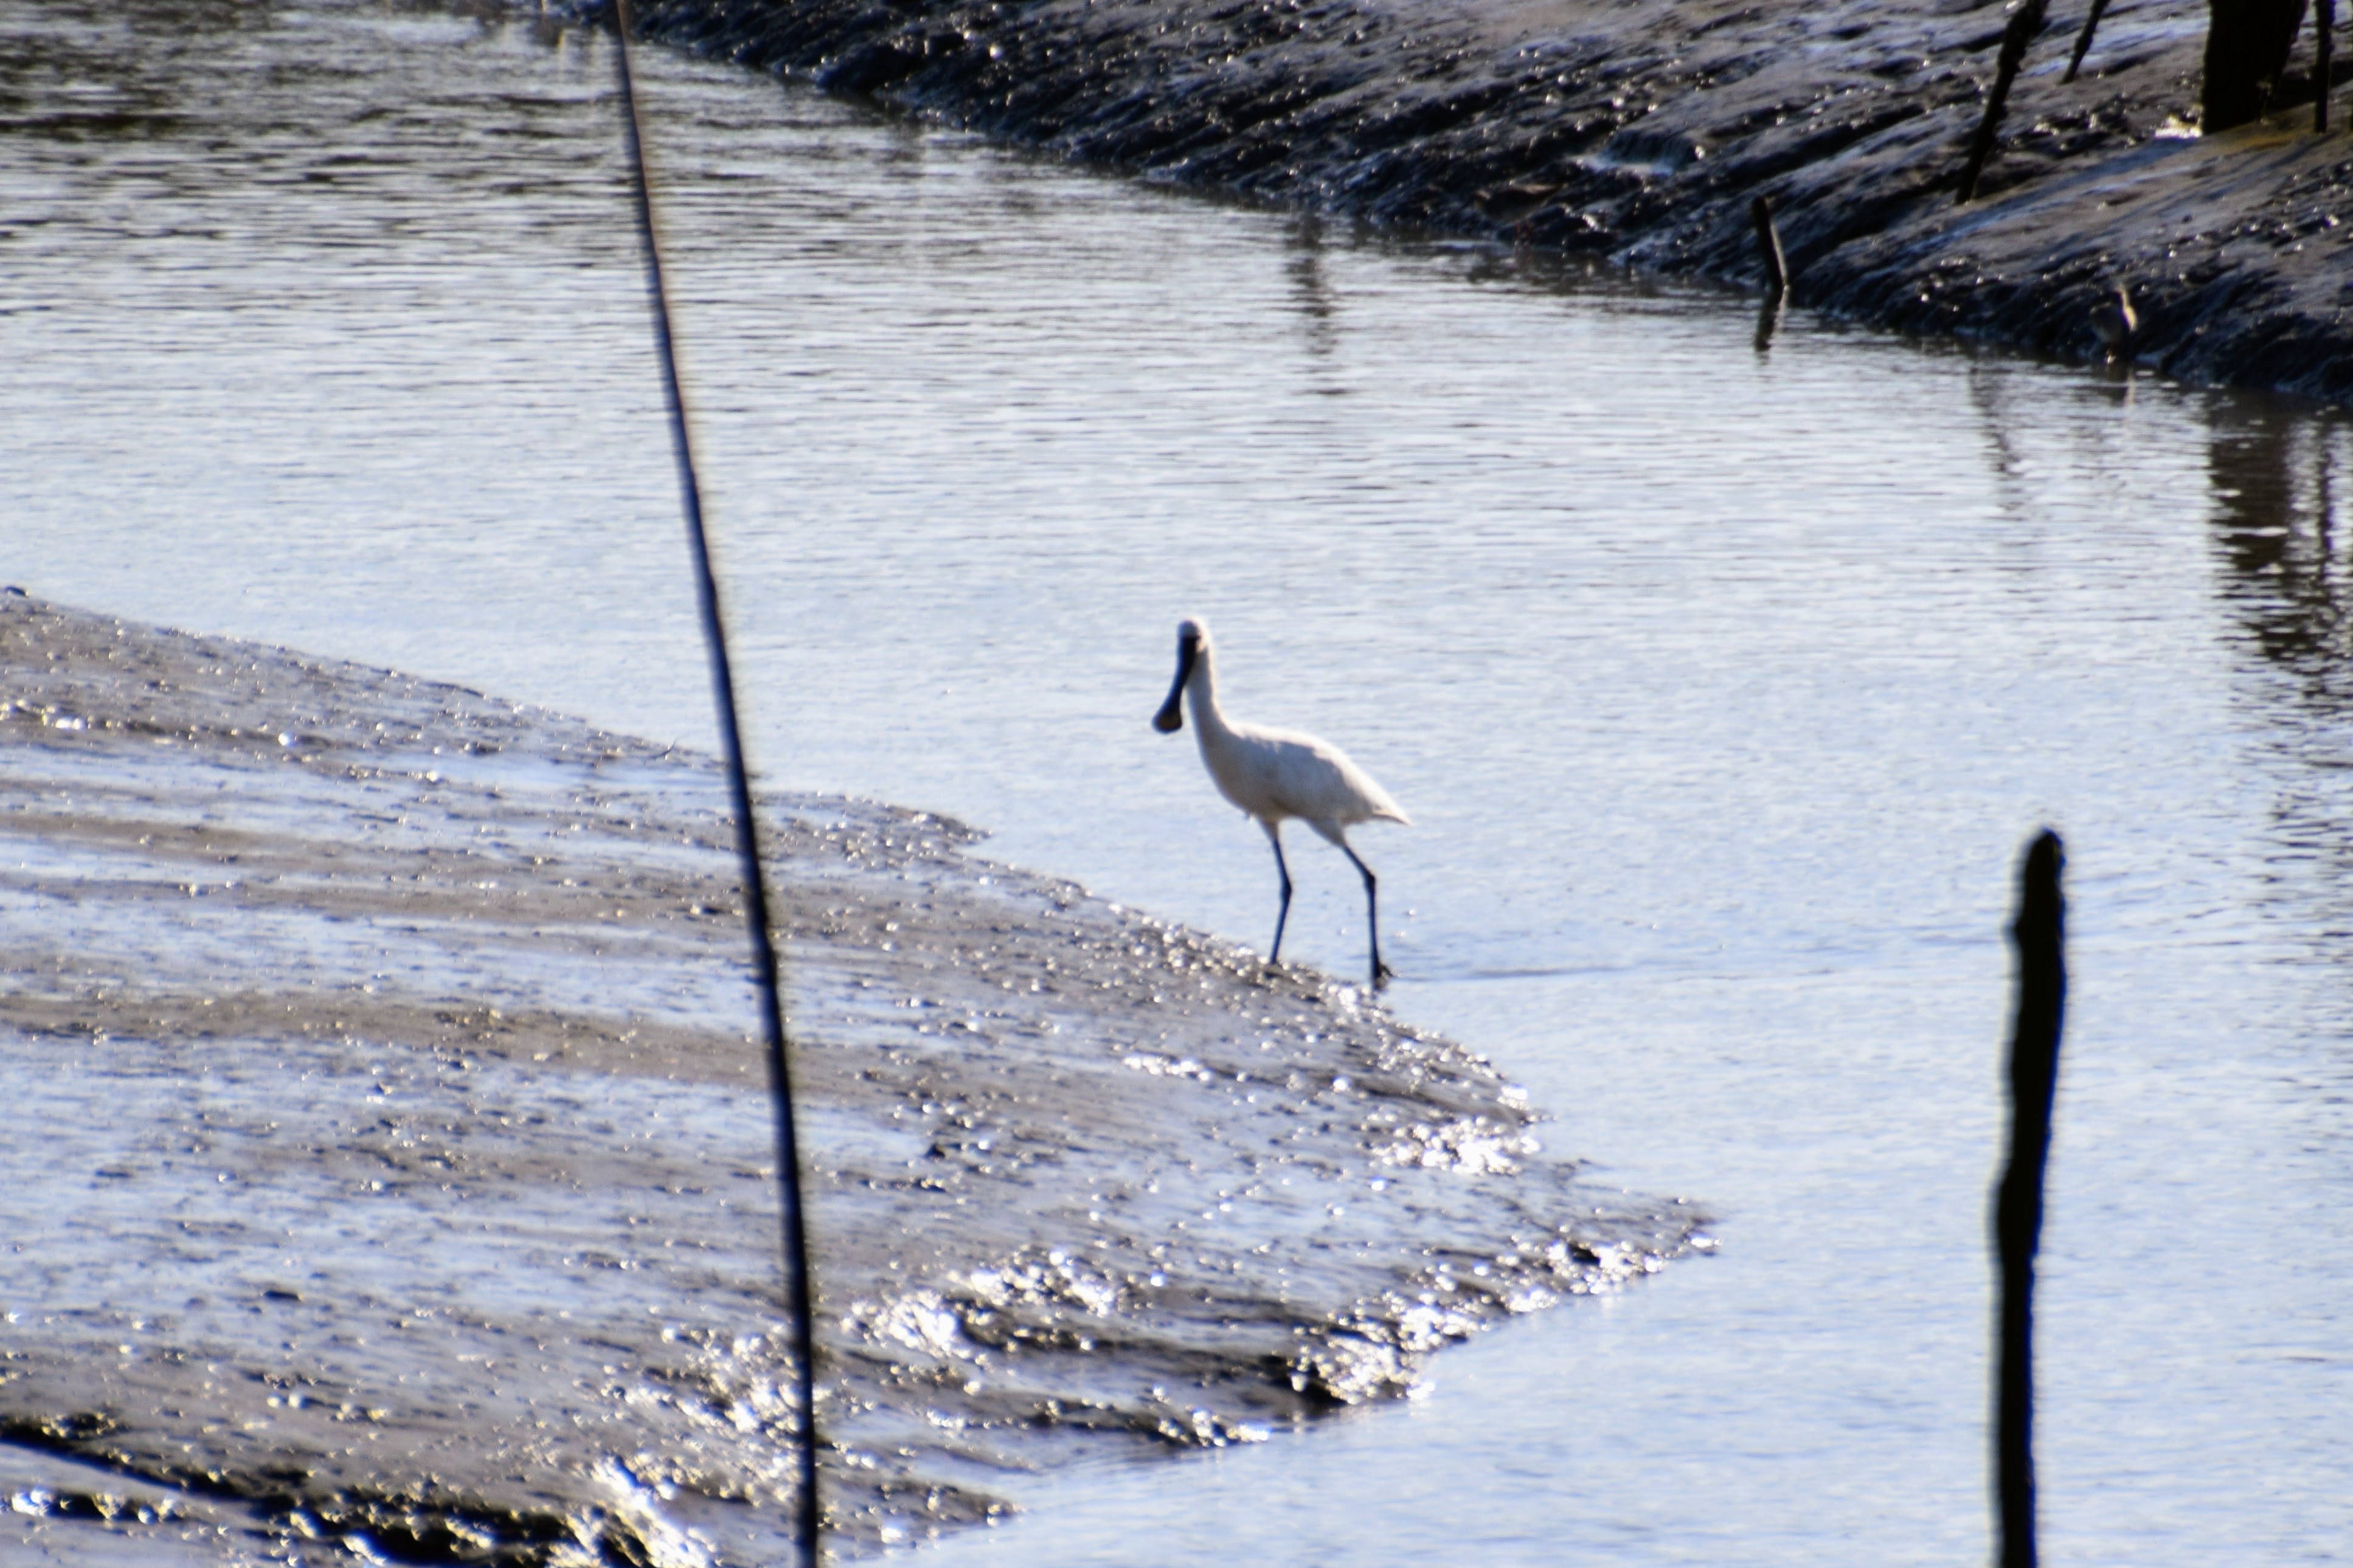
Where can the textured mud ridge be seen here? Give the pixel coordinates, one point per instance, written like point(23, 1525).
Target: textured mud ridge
point(1658, 119)
point(388, 1164)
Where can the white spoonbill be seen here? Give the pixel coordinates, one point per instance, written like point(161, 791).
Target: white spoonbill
point(1277, 773)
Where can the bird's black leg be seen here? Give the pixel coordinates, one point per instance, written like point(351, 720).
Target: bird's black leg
point(1274, 836)
point(1381, 975)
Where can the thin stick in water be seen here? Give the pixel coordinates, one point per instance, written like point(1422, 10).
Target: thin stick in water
point(2039, 933)
point(797, 1284)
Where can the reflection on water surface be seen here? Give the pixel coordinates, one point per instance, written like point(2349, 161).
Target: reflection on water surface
point(1721, 687)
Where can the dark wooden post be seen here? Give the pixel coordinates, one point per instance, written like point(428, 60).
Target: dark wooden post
point(2324, 21)
point(2024, 24)
point(2247, 44)
point(2039, 934)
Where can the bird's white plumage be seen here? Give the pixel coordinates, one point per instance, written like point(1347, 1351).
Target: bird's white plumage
point(1277, 775)
point(1273, 774)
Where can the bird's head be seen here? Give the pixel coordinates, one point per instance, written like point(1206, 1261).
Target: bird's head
point(1192, 641)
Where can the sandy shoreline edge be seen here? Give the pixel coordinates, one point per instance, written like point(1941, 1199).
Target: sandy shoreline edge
point(1657, 121)
point(405, 1173)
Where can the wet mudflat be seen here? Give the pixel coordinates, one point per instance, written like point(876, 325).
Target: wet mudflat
point(403, 1178)
point(1721, 687)
point(1644, 129)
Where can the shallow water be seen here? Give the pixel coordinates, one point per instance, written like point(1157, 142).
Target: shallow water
point(1723, 689)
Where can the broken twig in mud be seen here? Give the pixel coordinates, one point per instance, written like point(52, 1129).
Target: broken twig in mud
point(2115, 324)
point(2024, 24)
point(2084, 39)
point(1769, 250)
point(797, 1287)
point(2039, 933)
point(1777, 272)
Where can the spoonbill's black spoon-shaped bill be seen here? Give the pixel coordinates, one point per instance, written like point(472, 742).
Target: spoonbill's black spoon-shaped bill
point(1273, 774)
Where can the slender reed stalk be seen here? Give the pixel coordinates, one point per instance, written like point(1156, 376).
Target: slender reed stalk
point(797, 1286)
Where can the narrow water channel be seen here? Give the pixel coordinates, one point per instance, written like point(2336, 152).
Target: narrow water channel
point(1722, 687)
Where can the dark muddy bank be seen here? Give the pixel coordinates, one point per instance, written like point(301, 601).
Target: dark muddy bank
point(1658, 120)
point(387, 1162)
